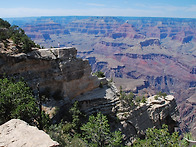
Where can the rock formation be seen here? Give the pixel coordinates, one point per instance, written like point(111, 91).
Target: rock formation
point(132, 120)
point(17, 133)
point(153, 113)
point(56, 70)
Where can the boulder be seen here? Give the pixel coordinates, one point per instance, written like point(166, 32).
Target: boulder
point(17, 133)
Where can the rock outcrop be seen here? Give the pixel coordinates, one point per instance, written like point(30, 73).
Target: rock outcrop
point(58, 71)
point(153, 113)
point(17, 133)
point(104, 99)
point(132, 120)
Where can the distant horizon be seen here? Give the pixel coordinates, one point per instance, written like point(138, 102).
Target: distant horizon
point(95, 16)
point(127, 8)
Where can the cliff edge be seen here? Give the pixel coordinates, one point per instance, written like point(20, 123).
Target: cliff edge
point(58, 71)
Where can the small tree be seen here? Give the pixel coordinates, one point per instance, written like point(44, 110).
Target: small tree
point(4, 24)
point(156, 97)
point(159, 138)
point(16, 101)
point(97, 132)
point(162, 94)
point(143, 100)
point(187, 139)
point(75, 116)
point(99, 74)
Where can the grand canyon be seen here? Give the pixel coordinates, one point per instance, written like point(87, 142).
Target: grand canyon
point(143, 55)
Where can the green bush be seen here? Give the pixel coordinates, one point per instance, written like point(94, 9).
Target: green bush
point(159, 138)
point(138, 99)
point(143, 100)
point(16, 101)
point(97, 132)
point(126, 99)
point(101, 85)
point(4, 24)
point(76, 114)
point(21, 40)
point(99, 74)
point(156, 97)
point(162, 94)
point(67, 127)
point(188, 136)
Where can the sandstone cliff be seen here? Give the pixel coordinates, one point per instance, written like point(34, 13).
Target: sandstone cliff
point(58, 71)
point(17, 133)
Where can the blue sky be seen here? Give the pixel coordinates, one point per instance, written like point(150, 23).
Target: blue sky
point(144, 8)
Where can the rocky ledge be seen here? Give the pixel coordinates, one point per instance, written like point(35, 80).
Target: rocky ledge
point(153, 113)
point(58, 71)
point(17, 133)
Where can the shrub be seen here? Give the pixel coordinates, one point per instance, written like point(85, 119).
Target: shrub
point(16, 101)
point(138, 99)
point(159, 137)
point(156, 97)
point(161, 94)
point(97, 132)
point(99, 74)
point(101, 85)
point(76, 114)
point(67, 127)
point(143, 100)
point(4, 24)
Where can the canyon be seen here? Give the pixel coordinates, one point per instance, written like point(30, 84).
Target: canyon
point(65, 78)
point(143, 55)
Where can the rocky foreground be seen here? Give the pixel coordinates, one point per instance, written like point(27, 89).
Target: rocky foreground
point(17, 133)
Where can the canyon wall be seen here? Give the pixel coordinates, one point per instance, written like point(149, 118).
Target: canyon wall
point(58, 71)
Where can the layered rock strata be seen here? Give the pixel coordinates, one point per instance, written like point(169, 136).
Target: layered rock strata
point(153, 113)
point(104, 99)
point(58, 71)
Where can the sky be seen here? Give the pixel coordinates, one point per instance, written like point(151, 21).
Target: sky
point(137, 8)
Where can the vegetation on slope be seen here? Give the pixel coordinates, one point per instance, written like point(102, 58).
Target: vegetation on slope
point(21, 41)
point(17, 101)
point(97, 132)
point(159, 137)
